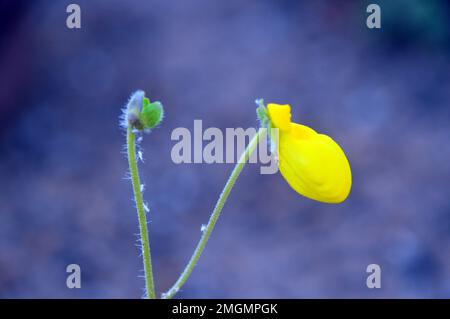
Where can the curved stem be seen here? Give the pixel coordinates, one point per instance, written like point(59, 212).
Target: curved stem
point(214, 216)
point(145, 244)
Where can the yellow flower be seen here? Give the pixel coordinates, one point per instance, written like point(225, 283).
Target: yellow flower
point(313, 164)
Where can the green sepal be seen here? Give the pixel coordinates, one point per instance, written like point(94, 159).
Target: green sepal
point(261, 112)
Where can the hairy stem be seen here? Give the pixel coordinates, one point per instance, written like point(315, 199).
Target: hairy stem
point(214, 217)
point(145, 244)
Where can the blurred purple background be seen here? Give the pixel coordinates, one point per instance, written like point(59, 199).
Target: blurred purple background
point(382, 94)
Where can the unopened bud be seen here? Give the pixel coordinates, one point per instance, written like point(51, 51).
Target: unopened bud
point(142, 115)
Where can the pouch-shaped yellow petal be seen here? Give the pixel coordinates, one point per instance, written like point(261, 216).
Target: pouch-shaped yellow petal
point(314, 165)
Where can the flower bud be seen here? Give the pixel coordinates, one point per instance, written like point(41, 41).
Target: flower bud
point(142, 115)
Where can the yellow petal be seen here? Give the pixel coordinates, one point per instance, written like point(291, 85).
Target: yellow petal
point(314, 165)
point(280, 115)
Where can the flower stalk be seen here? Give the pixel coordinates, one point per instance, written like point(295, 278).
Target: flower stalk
point(214, 216)
point(145, 243)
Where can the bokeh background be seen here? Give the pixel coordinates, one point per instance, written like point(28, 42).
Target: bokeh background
point(382, 94)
